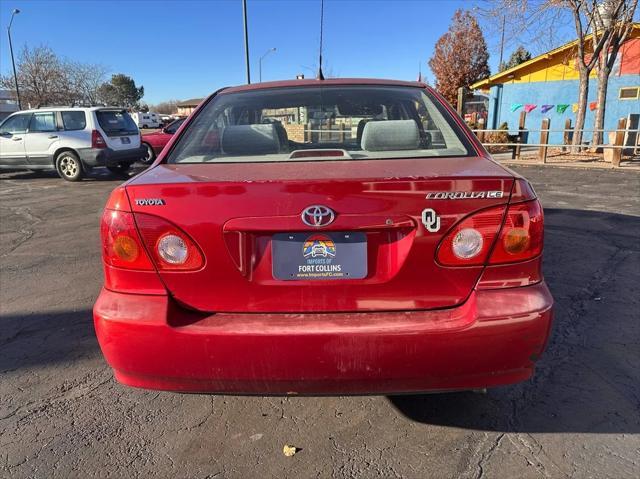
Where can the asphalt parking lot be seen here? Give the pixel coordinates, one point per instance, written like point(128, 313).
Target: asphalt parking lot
point(62, 414)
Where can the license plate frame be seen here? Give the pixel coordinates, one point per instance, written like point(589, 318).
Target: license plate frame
point(125, 140)
point(314, 256)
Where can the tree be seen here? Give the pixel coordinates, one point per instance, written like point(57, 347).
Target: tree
point(520, 55)
point(46, 79)
point(166, 107)
point(460, 57)
point(590, 41)
point(84, 81)
point(41, 77)
point(615, 16)
point(122, 91)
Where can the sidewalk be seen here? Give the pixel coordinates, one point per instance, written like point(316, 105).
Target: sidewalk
point(583, 160)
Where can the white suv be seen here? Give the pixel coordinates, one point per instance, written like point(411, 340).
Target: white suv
point(70, 140)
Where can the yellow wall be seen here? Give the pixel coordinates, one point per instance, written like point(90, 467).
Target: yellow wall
point(559, 67)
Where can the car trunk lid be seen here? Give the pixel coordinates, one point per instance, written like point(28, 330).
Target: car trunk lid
point(240, 215)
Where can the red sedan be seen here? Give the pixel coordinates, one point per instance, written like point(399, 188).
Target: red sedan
point(323, 237)
point(154, 142)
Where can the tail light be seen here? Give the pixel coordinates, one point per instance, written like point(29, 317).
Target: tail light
point(519, 237)
point(137, 241)
point(469, 242)
point(121, 244)
point(170, 248)
point(97, 141)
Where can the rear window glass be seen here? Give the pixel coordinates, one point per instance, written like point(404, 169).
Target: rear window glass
point(74, 120)
point(320, 123)
point(116, 122)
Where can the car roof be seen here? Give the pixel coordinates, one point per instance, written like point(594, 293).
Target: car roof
point(321, 83)
point(66, 108)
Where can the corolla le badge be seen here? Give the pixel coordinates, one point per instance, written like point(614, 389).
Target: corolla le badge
point(463, 195)
point(318, 216)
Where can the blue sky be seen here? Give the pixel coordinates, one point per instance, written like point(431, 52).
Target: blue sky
point(186, 49)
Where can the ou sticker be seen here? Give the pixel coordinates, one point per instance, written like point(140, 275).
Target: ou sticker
point(430, 220)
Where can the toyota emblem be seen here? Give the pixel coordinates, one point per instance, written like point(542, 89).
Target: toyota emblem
point(318, 216)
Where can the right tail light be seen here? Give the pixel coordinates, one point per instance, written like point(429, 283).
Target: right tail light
point(522, 234)
point(503, 237)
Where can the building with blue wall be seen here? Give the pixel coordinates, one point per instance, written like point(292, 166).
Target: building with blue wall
point(547, 85)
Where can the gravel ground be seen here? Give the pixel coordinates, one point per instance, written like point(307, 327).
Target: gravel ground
point(62, 414)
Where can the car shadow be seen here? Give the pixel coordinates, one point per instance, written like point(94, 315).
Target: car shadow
point(46, 338)
point(588, 380)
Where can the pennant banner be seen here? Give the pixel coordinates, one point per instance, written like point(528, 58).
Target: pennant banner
point(529, 108)
point(546, 108)
point(574, 107)
point(593, 105)
point(561, 108)
point(515, 106)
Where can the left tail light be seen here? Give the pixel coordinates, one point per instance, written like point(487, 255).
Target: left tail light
point(170, 248)
point(97, 141)
point(121, 244)
point(138, 241)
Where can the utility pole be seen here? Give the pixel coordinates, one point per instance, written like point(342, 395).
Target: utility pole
point(502, 42)
point(246, 40)
point(13, 62)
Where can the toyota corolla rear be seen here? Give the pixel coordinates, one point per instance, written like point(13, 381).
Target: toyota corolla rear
point(323, 237)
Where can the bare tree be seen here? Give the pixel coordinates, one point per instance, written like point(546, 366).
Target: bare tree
point(40, 75)
point(166, 107)
point(84, 81)
point(590, 41)
point(616, 16)
point(509, 23)
point(46, 79)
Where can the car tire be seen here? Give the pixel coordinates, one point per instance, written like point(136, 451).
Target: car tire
point(145, 126)
point(69, 166)
point(119, 169)
point(150, 156)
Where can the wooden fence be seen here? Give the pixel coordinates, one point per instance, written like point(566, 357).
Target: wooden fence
point(612, 151)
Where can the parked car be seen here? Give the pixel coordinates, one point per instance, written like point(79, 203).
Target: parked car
point(146, 120)
point(155, 141)
point(70, 140)
point(434, 280)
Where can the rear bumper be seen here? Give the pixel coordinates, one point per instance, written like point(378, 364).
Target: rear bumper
point(108, 157)
point(493, 339)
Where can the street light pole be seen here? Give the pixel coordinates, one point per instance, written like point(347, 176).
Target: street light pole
point(260, 62)
point(246, 40)
point(13, 62)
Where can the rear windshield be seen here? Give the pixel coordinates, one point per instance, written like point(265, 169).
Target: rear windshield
point(116, 122)
point(320, 123)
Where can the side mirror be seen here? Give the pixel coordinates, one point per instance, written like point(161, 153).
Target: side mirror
point(6, 134)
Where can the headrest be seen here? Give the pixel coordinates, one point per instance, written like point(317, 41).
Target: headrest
point(390, 135)
point(250, 139)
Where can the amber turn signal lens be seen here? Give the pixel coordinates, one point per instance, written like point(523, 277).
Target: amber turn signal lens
point(125, 248)
point(516, 240)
